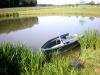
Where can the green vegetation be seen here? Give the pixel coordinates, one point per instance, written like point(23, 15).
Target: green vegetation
point(9, 15)
point(19, 60)
point(83, 10)
point(90, 40)
point(16, 3)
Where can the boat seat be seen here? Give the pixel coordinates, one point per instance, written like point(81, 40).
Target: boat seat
point(65, 41)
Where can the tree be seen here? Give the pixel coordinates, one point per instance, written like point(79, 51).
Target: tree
point(91, 3)
point(27, 2)
point(16, 3)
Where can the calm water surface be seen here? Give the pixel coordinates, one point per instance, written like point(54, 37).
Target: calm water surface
point(35, 31)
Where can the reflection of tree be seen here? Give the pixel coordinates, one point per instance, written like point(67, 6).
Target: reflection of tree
point(91, 3)
point(91, 18)
point(7, 26)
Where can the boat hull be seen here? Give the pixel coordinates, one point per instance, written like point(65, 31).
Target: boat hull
point(62, 48)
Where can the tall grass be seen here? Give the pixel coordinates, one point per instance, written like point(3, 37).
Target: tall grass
point(17, 60)
point(91, 39)
point(90, 51)
point(20, 60)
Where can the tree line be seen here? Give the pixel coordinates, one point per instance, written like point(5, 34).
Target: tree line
point(17, 3)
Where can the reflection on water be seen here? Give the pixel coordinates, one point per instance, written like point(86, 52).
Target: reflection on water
point(83, 19)
point(36, 31)
point(92, 18)
point(10, 25)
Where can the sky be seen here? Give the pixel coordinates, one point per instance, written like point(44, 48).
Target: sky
point(60, 2)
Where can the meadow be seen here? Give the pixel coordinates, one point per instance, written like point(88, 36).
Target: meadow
point(75, 10)
point(16, 59)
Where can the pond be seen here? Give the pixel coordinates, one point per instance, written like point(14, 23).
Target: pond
point(35, 31)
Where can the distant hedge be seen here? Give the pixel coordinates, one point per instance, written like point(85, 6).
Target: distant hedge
point(17, 3)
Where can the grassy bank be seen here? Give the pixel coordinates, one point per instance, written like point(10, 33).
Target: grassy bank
point(19, 60)
point(83, 10)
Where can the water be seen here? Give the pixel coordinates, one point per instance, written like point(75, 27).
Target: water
point(35, 31)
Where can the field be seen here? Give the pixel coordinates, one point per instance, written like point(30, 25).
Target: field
point(81, 10)
point(20, 60)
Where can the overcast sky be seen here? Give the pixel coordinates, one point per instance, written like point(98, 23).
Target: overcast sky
point(59, 2)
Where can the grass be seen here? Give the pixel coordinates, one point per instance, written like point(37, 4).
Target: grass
point(3, 15)
point(90, 40)
point(19, 60)
point(83, 10)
